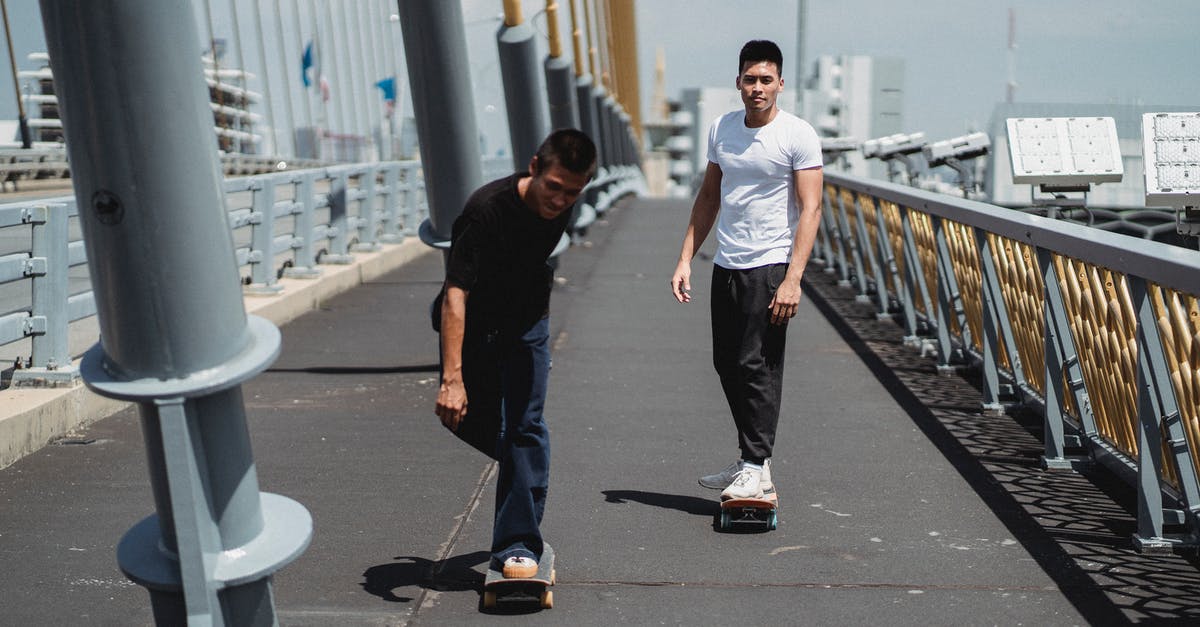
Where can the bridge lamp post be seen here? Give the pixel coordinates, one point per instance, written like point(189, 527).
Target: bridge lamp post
point(958, 154)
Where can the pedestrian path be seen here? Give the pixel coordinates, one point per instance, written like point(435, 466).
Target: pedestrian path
point(899, 502)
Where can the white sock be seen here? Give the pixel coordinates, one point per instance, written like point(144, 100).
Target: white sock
point(746, 464)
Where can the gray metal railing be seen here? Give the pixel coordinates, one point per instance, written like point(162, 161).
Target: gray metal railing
point(284, 224)
point(1098, 331)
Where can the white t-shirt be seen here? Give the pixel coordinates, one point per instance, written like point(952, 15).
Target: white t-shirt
point(758, 216)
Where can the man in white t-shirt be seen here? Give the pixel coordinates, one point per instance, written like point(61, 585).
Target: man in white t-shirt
point(762, 189)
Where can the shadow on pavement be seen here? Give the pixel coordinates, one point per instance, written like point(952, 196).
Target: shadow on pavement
point(454, 574)
point(687, 504)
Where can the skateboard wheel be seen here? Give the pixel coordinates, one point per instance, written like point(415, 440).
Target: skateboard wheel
point(547, 599)
point(489, 599)
point(773, 521)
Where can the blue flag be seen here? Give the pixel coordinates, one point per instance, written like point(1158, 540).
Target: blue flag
point(306, 62)
point(388, 85)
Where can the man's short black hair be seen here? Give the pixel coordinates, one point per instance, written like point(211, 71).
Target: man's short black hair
point(759, 50)
point(570, 148)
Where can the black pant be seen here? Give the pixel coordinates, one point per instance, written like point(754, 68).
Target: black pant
point(748, 353)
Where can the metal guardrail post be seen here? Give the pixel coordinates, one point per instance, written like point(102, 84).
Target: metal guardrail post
point(950, 305)
point(262, 240)
point(1157, 409)
point(339, 224)
point(1061, 359)
point(887, 266)
point(47, 324)
point(368, 216)
point(147, 179)
point(914, 279)
point(390, 192)
point(991, 405)
point(993, 297)
point(304, 254)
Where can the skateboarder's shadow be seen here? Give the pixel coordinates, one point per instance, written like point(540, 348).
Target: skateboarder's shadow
point(454, 574)
point(687, 504)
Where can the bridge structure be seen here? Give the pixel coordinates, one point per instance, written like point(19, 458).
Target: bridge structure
point(990, 416)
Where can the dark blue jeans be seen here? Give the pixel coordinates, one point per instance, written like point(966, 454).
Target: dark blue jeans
point(506, 381)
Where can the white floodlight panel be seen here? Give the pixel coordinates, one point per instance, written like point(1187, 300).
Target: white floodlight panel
point(1171, 157)
point(1064, 151)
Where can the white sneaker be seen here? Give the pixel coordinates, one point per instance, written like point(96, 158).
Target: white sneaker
point(722, 479)
point(767, 485)
point(747, 484)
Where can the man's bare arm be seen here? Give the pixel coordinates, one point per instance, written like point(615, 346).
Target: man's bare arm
point(704, 215)
point(808, 186)
point(452, 396)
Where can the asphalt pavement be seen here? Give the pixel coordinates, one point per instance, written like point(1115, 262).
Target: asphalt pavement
point(900, 503)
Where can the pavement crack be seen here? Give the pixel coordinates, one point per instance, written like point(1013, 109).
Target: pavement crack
point(428, 595)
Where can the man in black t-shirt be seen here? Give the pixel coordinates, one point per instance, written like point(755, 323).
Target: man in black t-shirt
point(495, 333)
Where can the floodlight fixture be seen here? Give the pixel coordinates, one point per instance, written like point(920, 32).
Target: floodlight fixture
point(902, 144)
point(898, 147)
point(836, 145)
point(1171, 162)
point(1064, 152)
point(834, 149)
point(954, 152)
point(1062, 155)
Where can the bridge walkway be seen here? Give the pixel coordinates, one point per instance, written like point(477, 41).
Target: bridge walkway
point(900, 502)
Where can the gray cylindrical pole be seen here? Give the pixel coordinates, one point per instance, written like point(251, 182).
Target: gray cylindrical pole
point(560, 93)
point(522, 91)
point(589, 122)
point(148, 186)
point(434, 47)
point(598, 99)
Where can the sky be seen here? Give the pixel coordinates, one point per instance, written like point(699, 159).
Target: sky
point(955, 51)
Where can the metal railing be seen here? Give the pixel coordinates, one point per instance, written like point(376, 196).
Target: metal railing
point(283, 224)
point(1099, 331)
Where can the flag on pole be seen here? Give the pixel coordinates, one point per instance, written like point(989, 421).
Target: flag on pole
point(388, 86)
point(306, 63)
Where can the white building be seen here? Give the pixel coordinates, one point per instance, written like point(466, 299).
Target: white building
point(856, 96)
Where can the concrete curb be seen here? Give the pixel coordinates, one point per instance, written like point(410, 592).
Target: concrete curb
point(31, 418)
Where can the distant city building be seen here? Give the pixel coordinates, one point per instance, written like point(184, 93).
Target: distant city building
point(1128, 194)
point(856, 96)
point(669, 159)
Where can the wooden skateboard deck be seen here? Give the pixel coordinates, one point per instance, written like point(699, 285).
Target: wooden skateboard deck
point(749, 513)
point(536, 589)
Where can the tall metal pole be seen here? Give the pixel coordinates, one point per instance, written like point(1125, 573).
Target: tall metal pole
point(444, 107)
point(287, 82)
point(26, 138)
point(262, 60)
point(522, 84)
point(560, 84)
point(148, 186)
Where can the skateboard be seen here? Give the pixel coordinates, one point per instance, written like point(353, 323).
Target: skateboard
point(749, 513)
point(536, 589)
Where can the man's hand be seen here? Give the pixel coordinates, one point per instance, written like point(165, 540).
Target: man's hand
point(785, 302)
point(681, 282)
point(451, 404)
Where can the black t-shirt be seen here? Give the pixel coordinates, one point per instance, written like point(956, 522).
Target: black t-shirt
point(499, 247)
